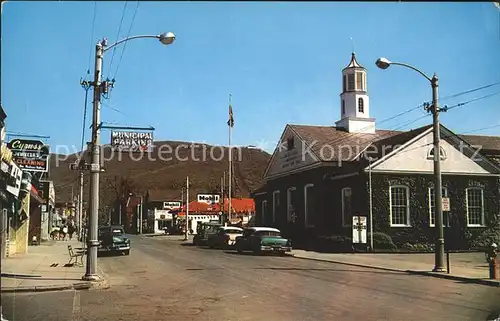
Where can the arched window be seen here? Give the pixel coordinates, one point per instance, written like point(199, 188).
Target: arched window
point(343, 107)
point(442, 153)
point(361, 105)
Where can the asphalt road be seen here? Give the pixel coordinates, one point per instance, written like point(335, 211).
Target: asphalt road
point(163, 280)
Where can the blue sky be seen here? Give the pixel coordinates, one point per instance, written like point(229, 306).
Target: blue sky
point(281, 61)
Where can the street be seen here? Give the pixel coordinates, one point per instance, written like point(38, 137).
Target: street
point(165, 280)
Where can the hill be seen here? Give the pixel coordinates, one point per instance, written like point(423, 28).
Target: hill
point(164, 169)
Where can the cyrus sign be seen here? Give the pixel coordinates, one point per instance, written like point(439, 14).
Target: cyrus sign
point(131, 141)
point(30, 155)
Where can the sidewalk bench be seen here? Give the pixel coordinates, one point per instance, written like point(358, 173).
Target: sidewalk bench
point(75, 258)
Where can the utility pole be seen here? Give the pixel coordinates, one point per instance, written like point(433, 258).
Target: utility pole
point(371, 202)
point(86, 85)
point(186, 237)
point(140, 216)
point(221, 202)
point(384, 63)
point(439, 259)
point(92, 241)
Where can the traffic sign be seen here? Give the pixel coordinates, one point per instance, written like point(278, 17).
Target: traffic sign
point(359, 226)
point(446, 204)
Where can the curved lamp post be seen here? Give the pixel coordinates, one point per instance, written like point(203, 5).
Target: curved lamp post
point(166, 38)
point(384, 63)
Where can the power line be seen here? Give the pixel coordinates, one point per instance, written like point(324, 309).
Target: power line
point(481, 129)
point(128, 35)
point(414, 108)
point(469, 91)
point(470, 101)
point(92, 37)
point(117, 36)
point(67, 184)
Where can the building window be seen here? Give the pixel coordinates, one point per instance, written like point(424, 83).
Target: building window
point(276, 204)
point(343, 107)
point(346, 206)
point(290, 214)
point(475, 206)
point(361, 105)
point(359, 81)
point(264, 211)
point(432, 208)
point(442, 153)
point(309, 205)
point(344, 83)
point(350, 82)
point(399, 198)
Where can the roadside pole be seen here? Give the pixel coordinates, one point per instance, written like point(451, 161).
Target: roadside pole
point(186, 237)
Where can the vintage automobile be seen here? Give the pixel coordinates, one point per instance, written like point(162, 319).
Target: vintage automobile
point(224, 237)
point(113, 239)
point(263, 239)
point(203, 230)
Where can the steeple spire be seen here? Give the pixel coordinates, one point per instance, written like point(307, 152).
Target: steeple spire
point(354, 62)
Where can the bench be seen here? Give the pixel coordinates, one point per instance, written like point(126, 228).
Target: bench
point(75, 258)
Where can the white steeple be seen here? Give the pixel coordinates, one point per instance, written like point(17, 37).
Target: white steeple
point(354, 100)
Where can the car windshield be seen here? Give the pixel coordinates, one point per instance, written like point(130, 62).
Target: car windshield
point(232, 231)
point(117, 232)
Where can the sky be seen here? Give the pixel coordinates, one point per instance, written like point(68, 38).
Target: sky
point(280, 61)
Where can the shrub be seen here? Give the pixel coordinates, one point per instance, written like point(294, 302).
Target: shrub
point(382, 241)
point(486, 239)
point(418, 247)
point(333, 243)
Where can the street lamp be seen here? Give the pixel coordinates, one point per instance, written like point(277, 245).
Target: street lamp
point(95, 168)
point(384, 63)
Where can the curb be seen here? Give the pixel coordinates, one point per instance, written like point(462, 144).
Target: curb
point(423, 273)
point(48, 288)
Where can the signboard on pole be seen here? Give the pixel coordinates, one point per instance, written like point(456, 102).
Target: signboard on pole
point(171, 205)
point(30, 155)
point(208, 198)
point(446, 204)
point(127, 141)
point(359, 229)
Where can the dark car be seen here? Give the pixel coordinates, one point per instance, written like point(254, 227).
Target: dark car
point(113, 239)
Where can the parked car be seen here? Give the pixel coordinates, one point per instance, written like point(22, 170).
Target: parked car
point(203, 230)
point(224, 237)
point(113, 239)
point(263, 239)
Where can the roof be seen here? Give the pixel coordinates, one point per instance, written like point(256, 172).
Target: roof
point(353, 63)
point(316, 137)
point(347, 146)
point(232, 228)
point(488, 143)
point(266, 229)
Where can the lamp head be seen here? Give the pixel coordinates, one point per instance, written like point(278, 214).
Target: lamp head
point(383, 63)
point(167, 38)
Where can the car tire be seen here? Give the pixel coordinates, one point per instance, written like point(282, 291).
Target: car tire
point(127, 252)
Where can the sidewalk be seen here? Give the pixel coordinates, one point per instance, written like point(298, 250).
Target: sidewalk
point(44, 268)
point(466, 267)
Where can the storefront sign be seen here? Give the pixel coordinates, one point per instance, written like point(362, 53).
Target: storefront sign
point(30, 155)
point(131, 141)
point(208, 198)
point(14, 183)
point(6, 153)
point(171, 205)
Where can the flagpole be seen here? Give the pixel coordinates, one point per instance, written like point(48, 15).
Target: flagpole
point(230, 163)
